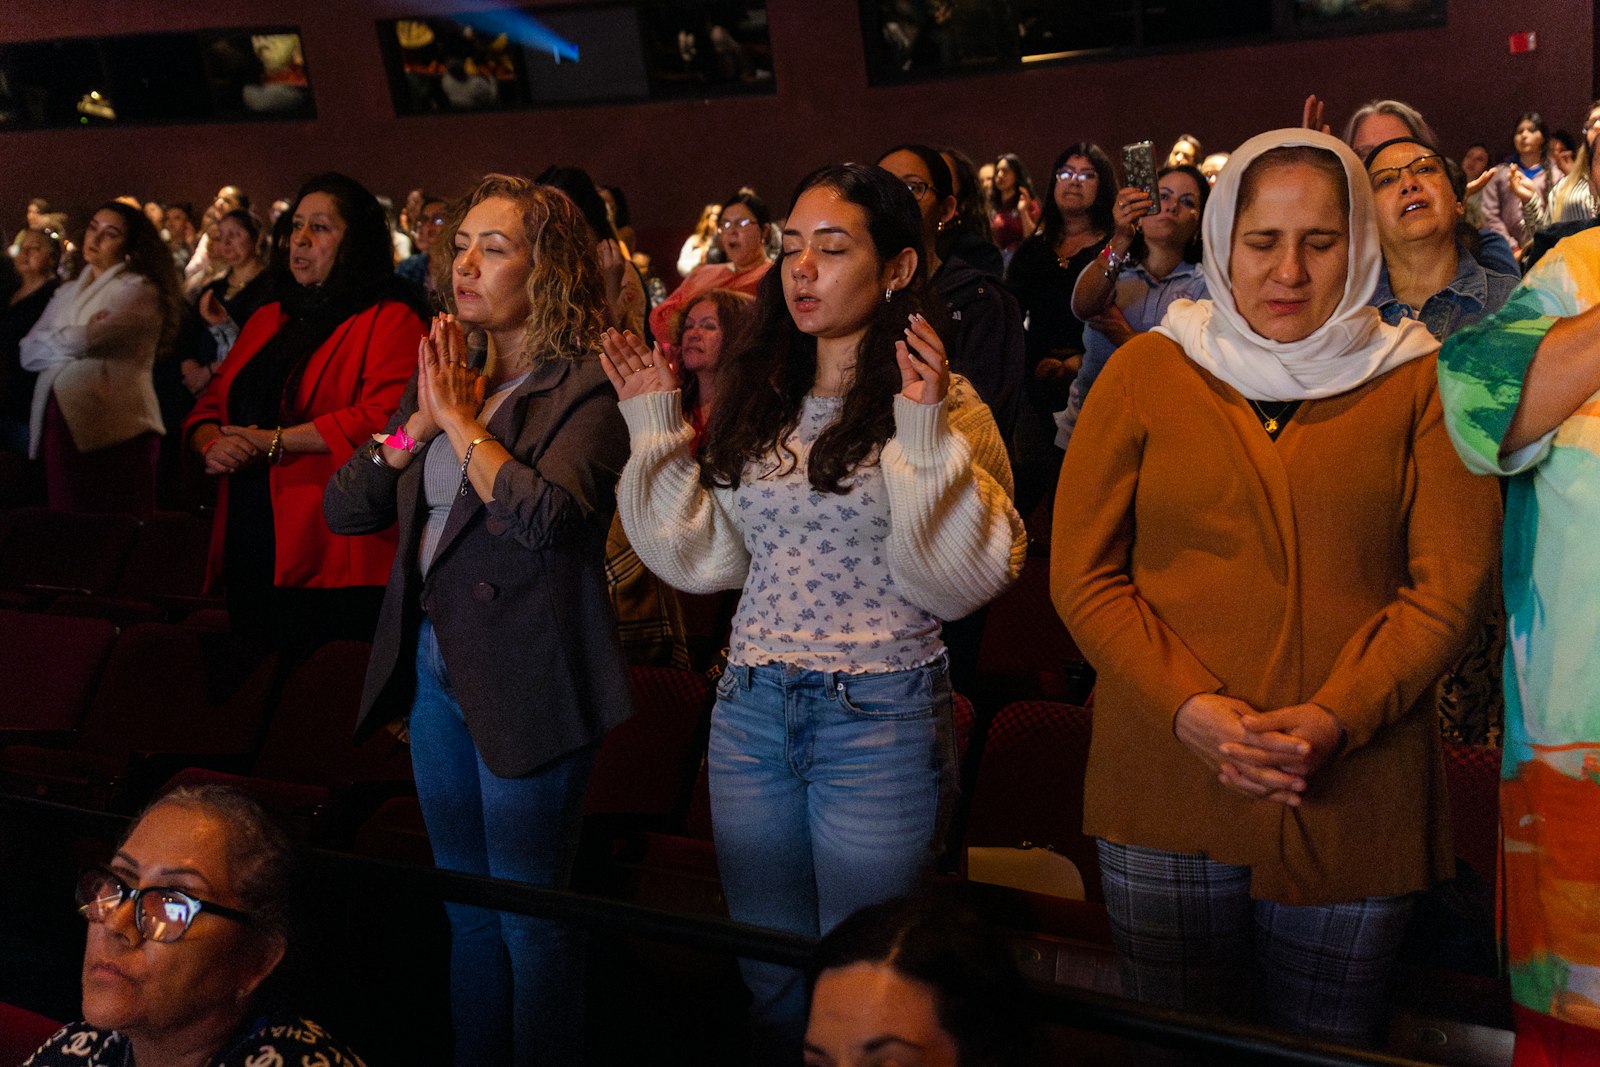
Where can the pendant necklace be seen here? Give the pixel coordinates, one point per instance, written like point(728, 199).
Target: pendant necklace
point(1270, 422)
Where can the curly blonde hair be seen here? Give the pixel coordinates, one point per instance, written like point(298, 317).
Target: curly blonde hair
point(565, 289)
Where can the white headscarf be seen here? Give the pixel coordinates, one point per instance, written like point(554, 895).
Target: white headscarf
point(1352, 347)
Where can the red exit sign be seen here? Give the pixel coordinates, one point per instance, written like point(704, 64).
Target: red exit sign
point(1524, 42)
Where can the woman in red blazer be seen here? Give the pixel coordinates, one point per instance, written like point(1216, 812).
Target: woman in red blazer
point(306, 384)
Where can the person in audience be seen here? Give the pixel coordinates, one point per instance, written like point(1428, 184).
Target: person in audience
point(967, 234)
point(311, 376)
point(188, 924)
point(1269, 552)
point(981, 321)
point(1077, 220)
point(501, 480)
point(1149, 262)
point(920, 979)
point(244, 287)
point(1428, 271)
point(1014, 206)
point(1563, 149)
point(33, 219)
point(1377, 121)
point(1574, 197)
point(617, 211)
point(429, 226)
point(1502, 205)
point(741, 232)
point(1429, 274)
point(1185, 151)
point(700, 336)
point(1474, 164)
point(1518, 389)
point(699, 243)
point(94, 417)
point(38, 255)
point(626, 298)
point(199, 269)
point(180, 232)
point(1212, 166)
point(857, 503)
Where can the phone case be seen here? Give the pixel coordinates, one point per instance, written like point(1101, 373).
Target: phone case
point(1139, 170)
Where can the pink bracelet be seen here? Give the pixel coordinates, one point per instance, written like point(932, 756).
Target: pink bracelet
point(403, 441)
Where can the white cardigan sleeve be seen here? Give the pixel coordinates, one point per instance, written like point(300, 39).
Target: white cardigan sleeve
point(955, 540)
point(53, 340)
point(677, 526)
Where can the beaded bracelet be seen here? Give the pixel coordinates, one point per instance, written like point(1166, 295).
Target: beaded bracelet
point(275, 450)
point(466, 461)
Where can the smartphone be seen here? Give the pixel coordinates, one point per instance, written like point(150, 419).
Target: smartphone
point(1139, 171)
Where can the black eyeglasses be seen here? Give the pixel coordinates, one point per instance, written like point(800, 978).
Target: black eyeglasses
point(160, 913)
point(1421, 167)
point(1067, 174)
point(917, 186)
point(728, 224)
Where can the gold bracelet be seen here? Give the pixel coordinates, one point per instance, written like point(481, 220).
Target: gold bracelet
point(275, 451)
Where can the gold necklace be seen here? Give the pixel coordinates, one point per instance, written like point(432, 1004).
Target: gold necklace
point(1269, 422)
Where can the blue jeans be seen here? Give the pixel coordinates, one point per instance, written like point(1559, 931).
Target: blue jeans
point(827, 794)
point(516, 982)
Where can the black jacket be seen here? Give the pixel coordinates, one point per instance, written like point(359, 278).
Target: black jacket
point(517, 589)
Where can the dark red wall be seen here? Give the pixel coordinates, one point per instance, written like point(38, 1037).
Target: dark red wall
point(672, 157)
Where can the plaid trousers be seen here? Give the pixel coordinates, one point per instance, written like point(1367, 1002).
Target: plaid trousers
point(1189, 936)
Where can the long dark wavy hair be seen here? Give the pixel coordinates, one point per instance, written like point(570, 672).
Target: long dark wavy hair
point(765, 378)
point(148, 256)
point(1105, 194)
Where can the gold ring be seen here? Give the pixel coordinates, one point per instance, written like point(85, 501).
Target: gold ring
point(647, 366)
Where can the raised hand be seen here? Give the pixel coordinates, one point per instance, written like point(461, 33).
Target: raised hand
point(634, 369)
point(453, 389)
point(924, 370)
point(1311, 115)
point(211, 308)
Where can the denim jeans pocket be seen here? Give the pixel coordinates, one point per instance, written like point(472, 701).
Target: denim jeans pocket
point(891, 695)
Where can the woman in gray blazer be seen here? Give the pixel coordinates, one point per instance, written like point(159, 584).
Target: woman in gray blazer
point(496, 633)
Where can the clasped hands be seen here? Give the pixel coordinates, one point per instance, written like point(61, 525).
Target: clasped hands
point(449, 389)
point(1265, 755)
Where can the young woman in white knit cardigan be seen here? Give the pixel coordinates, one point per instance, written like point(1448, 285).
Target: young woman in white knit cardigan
point(858, 494)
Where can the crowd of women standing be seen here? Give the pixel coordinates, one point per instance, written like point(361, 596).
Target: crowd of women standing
point(1264, 540)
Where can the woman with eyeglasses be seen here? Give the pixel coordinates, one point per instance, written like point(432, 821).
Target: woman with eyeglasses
point(857, 493)
point(1075, 223)
point(187, 925)
point(1429, 272)
point(1150, 261)
point(742, 235)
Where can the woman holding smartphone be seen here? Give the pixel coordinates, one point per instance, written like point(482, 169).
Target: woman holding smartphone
point(859, 494)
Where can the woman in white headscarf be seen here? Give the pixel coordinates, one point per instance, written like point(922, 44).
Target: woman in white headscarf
point(1268, 551)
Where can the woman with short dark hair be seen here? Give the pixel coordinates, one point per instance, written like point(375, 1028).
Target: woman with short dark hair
point(187, 924)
